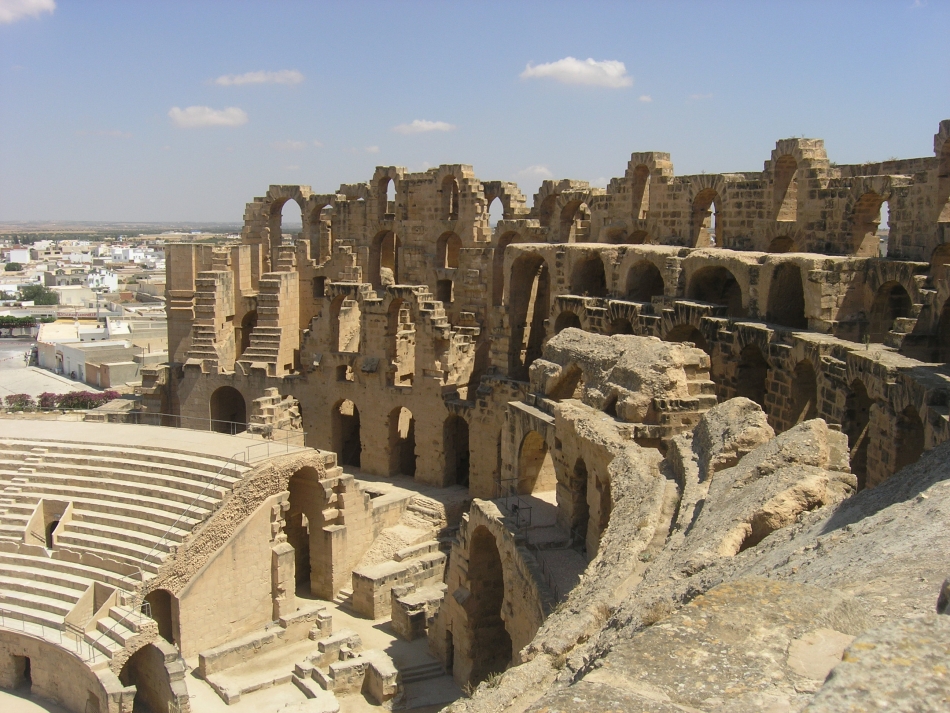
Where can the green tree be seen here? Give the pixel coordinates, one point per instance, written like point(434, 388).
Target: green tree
point(13, 267)
point(39, 294)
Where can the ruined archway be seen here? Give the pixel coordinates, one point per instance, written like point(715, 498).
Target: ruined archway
point(640, 192)
point(575, 222)
point(384, 260)
point(804, 392)
point(529, 300)
point(491, 649)
point(450, 198)
point(248, 323)
point(303, 511)
point(400, 343)
point(386, 198)
point(752, 374)
point(785, 189)
point(498, 267)
point(644, 282)
point(588, 278)
point(787, 297)
point(718, 285)
point(145, 669)
point(345, 424)
point(620, 325)
point(228, 411)
point(890, 303)
point(865, 221)
point(448, 248)
point(402, 442)
point(706, 220)
point(161, 607)
point(456, 448)
point(686, 333)
point(535, 466)
point(909, 438)
point(782, 244)
point(566, 319)
point(856, 426)
point(345, 324)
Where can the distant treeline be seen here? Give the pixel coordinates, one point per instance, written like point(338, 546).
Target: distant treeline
point(7, 322)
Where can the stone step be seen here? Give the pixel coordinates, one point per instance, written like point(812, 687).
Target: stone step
point(128, 524)
point(161, 542)
point(42, 574)
point(11, 613)
point(130, 618)
point(132, 511)
point(70, 569)
point(115, 630)
point(35, 602)
point(102, 643)
point(68, 487)
point(421, 672)
point(145, 558)
point(10, 583)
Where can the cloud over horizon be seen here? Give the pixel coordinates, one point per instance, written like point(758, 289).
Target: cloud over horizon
point(422, 126)
point(606, 73)
point(537, 171)
point(13, 10)
point(197, 117)
point(284, 76)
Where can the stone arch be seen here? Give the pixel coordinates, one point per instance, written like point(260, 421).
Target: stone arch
point(909, 438)
point(785, 189)
point(345, 324)
point(566, 319)
point(891, 302)
point(644, 282)
point(480, 365)
point(569, 385)
point(400, 342)
point(146, 670)
point(228, 410)
point(163, 609)
point(345, 426)
point(575, 222)
point(939, 260)
point(402, 442)
point(248, 323)
point(535, 465)
point(303, 512)
point(706, 219)
point(456, 448)
point(529, 305)
point(384, 255)
point(640, 192)
point(865, 220)
point(386, 198)
point(787, 297)
point(546, 210)
point(804, 392)
point(498, 266)
point(686, 333)
point(448, 247)
point(782, 244)
point(450, 198)
point(620, 325)
point(752, 374)
point(588, 276)
point(639, 237)
point(718, 285)
point(856, 426)
point(491, 650)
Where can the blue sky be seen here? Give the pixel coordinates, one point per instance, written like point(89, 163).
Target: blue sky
point(89, 90)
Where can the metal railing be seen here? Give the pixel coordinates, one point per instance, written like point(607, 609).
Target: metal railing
point(55, 635)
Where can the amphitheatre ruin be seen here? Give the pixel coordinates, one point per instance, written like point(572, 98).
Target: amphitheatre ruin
point(674, 445)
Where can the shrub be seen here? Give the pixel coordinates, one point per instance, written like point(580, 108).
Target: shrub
point(48, 400)
point(85, 399)
point(20, 402)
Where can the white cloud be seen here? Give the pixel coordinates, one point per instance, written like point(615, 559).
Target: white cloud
point(700, 97)
point(290, 145)
point(372, 149)
point(646, 98)
point(422, 126)
point(600, 182)
point(284, 76)
point(607, 73)
point(535, 172)
point(13, 10)
point(195, 117)
point(318, 144)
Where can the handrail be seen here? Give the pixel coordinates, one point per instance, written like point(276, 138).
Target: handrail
point(17, 616)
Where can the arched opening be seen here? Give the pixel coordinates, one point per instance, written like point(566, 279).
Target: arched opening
point(639, 237)
point(146, 670)
point(160, 606)
point(575, 222)
point(565, 320)
point(588, 278)
point(751, 374)
point(479, 368)
point(939, 260)
point(384, 260)
point(787, 297)
point(535, 466)
point(615, 236)
point(303, 509)
point(491, 643)
point(291, 221)
point(570, 385)
point(448, 246)
point(529, 295)
point(717, 285)
point(705, 220)
point(401, 343)
point(345, 324)
point(546, 210)
point(50, 529)
point(402, 442)
point(804, 392)
point(496, 212)
point(228, 411)
point(909, 437)
point(455, 440)
point(890, 303)
point(856, 426)
point(321, 233)
point(785, 191)
point(498, 267)
point(686, 333)
point(346, 433)
point(943, 185)
point(782, 244)
point(620, 325)
point(644, 282)
point(386, 198)
point(640, 192)
point(248, 323)
point(580, 510)
point(865, 221)
point(450, 198)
